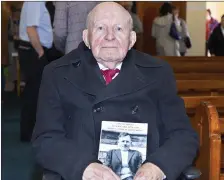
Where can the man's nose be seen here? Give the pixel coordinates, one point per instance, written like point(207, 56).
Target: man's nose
point(110, 35)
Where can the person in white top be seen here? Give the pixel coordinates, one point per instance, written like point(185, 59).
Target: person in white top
point(165, 44)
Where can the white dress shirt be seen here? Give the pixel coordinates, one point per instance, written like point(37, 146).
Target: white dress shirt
point(118, 66)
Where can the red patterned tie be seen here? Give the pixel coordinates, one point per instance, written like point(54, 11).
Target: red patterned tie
point(109, 74)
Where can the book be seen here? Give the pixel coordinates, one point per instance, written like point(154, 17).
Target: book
point(123, 147)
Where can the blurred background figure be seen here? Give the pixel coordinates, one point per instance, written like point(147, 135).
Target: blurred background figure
point(211, 23)
point(69, 22)
point(185, 41)
point(165, 44)
point(216, 40)
point(137, 24)
point(36, 42)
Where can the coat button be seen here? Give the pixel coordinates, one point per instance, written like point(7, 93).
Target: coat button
point(77, 64)
point(98, 109)
point(134, 109)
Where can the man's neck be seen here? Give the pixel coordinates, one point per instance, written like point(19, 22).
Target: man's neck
point(110, 65)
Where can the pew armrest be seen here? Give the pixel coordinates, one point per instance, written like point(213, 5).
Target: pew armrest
point(190, 173)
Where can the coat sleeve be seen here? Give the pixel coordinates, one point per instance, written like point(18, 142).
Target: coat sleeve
point(181, 142)
point(212, 42)
point(108, 159)
point(153, 33)
point(52, 149)
point(139, 162)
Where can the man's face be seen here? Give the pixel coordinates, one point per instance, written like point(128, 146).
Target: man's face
point(222, 22)
point(124, 143)
point(110, 34)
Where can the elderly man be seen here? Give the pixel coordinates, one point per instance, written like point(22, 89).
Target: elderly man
point(124, 161)
point(110, 81)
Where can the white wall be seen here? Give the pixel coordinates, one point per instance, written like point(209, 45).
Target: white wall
point(217, 9)
point(196, 21)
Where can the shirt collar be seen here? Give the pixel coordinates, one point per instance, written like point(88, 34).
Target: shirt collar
point(102, 67)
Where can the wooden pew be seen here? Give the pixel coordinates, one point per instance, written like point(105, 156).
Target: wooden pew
point(206, 123)
point(191, 104)
point(196, 64)
point(200, 87)
point(198, 75)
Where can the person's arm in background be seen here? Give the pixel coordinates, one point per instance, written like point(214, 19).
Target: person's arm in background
point(211, 43)
point(177, 23)
point(184, 28)
point(33, 20)
point(153, 33)
point(138, 28)
point(60, 25)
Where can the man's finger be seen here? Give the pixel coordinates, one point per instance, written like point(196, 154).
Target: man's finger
point(108, 175)
point(111, 171)
point(138, 175)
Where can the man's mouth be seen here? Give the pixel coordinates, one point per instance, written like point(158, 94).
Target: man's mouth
point(109, 47)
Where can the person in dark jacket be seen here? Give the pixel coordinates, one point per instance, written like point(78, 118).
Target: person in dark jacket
point(110, 81)
point(124, 161)
point(216, 40)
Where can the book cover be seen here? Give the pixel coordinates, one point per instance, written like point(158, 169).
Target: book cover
point(123, 147)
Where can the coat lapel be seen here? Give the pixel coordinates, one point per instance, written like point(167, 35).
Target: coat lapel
point(130, 154)
point(129, 80)
point(85, 75)
point(118, 154)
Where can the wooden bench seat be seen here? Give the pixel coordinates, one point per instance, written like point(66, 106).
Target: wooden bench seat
point(191, 105)
point(207, 125)
point(195, 64)
point(198, 75)
point(200, 87)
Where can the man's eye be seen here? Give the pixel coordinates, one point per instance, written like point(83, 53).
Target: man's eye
point(119, 28)
point(100, 28)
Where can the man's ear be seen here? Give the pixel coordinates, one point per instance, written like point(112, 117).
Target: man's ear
point(132, 39)
point(85, 38)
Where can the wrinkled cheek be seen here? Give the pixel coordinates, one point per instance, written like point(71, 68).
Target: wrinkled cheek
point(95, 46)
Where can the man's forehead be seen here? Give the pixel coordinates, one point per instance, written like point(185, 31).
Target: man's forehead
point(112, 17)
point(125, 137)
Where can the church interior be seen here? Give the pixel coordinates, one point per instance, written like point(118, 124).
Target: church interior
point(199, 80)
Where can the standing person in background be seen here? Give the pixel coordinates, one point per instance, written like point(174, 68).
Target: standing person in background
point(211, 23)
point(165, 44)
point(216, 40)
point(137, 24)
point(69, 22)
point(184, 32)
point(36, 38)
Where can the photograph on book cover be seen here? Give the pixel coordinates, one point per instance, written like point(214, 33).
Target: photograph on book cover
point(123, 147)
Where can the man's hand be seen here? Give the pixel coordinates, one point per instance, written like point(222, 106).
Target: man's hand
point(96, 171)
point(41, 53)
point(35, 40)
point(149, 171)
